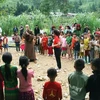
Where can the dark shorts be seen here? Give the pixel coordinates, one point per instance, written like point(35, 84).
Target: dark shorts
point(5, 45)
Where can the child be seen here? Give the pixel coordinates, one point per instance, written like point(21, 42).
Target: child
point(50, 49)
point(52, 89)
point(87, 49)
point(17, 42)
point(91, 46)
point(5, 43)
point(22, 44)
point(40, 45)
point(77, 81)
point(25, 78)
point(9, 73)
point(73, 44)
point(76, 48)
point(93, 83)
point(64, 46)
point(45, 43)
point(69, 40)
point(96, 51)
point(37, 43)
point(82, 49)
point(1, 87)
point(0, 43)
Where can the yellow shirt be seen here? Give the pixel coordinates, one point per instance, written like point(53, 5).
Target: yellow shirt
point(86, 44)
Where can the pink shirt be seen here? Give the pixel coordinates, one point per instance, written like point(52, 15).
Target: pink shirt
point(64, 43)
point(25, 85)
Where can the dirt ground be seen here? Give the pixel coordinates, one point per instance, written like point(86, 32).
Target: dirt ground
point(40, 69)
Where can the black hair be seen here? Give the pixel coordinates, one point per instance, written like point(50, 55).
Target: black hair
point(23, 62)
point(79, 64)
point(96, 63)
point(7, 58)
point(52, 73)
point(92, 37)
point(56, 32)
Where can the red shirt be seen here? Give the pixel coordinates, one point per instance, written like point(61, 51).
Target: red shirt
point(44, 41)
point(73, 43)
point(56, 41)
point(1, 81)
point(52, 91)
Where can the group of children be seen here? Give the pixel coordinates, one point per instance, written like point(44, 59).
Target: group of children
point(79, 83)
point(85, 46)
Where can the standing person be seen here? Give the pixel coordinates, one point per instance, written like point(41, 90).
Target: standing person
point(36, 30)
point(29, 44)
point(25, 78)
point(1, 87)
point(21, 31)
point(96, 48)
point(15, 30)
point(91, 45)
point(57, 48)
point(64, 46)
point(76, 48)
point(72, 45)
point(93, 83)
point(86, 29)
point(5, 43)
point(37, 43)
point(22, 44)
point(50, 49)
point(82, 49)
point(45, 43)
point(17, 41)
point(86, 48)
point(9, 73)
point(77, 81)
point(52, 89)
point(69, 40)
point(40, 45)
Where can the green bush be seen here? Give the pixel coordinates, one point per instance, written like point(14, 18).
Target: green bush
point(45, 22)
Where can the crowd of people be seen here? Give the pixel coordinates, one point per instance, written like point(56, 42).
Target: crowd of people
point(79, 83)
point(70, 43)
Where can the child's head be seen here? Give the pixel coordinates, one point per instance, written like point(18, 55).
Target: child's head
point(68, 33)
point(23, 62)
point(74, 35)
point(95, 64)
point(45, 34)
point(79, 64)
point(96, 37)
point(7, 58)
point(52, 73)
point(5, 35)
point(85, 35)
point(82, 41)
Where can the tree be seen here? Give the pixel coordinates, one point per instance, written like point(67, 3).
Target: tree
point(48, 6)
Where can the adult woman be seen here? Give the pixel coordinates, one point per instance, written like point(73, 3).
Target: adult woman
point(57, 48)
point(29, 44)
